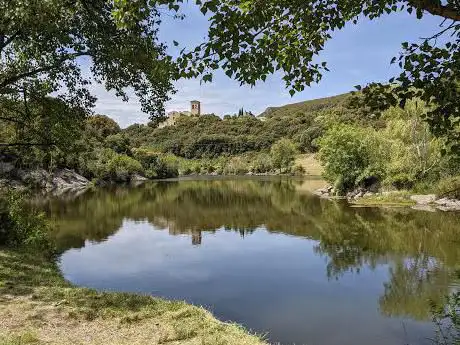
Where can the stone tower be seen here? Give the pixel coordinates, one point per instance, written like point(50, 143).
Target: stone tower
point(196, 108)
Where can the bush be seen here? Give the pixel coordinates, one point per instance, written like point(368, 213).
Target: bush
point(111, 166)
point(21, 227)
point(298, 170)
point(307, 139)
point(283, 154)
point(262, 163)
point(119, 143)
point(157, 166)
point(351, 156)
point(121, 168)
point(162, 168)
point(449, 187)
point(236, 166)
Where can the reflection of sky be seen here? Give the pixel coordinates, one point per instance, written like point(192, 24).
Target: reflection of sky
point(266, 281)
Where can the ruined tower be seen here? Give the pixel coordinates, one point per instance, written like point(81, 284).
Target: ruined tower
point(195, 108)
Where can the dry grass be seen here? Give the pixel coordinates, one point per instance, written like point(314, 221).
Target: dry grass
point(311, 165)
point(38, 307)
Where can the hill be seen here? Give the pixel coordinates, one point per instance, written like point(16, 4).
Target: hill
point(306, 106)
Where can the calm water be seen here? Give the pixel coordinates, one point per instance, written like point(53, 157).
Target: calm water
point(266, 254)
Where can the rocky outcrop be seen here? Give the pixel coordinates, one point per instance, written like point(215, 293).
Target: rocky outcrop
point(446, 204)
point(326, 192)
point(428, 202)
point(57, 182)
point(423, 199)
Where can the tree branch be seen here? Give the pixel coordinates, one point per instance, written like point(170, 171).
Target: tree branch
point(16, 78)
point(436, 8)
point(4, 42)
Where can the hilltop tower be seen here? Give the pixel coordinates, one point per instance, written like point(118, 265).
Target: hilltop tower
point(195, 108)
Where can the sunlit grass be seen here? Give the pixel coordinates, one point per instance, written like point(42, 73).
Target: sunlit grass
point(39, 306)
point(399, 198)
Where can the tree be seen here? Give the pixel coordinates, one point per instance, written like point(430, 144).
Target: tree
point(43, 45)
point(252, 39)
point(283, 154)
point(102, 126)
point(352, 156)
point(35, 132)
point(248, 39)
point(119, 143)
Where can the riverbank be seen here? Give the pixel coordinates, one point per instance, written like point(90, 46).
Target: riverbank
point(40, 307)
point(56, 182)
point(372, 198)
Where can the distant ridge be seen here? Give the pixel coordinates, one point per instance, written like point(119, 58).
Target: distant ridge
point(312, 105)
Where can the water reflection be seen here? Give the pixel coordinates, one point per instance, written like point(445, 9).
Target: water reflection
point(419, 251)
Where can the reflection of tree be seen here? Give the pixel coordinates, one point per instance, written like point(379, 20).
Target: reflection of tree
point(415, 284)
point(421, 248)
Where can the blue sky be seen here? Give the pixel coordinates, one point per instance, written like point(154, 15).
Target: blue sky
point(356, 55)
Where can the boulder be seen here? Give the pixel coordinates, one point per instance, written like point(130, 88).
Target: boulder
point(57, 182)
point(445, 204)
point(423, 199)
point(138, 178)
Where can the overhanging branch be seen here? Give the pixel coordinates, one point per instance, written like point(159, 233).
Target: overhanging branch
point(11, 80)
point(437, 9)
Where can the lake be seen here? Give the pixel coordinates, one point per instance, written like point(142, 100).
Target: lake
point(267, 254)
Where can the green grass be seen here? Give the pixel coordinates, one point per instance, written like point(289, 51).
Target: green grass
point(399, 198)
point(38, 306)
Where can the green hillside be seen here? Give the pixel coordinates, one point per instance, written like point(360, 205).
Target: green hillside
point(307, 106)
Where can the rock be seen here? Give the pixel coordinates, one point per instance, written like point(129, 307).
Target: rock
point(66, 180)
point(322, 191)
point(137, 177)
point(423, 199)
point(58, 182)
point(445, 204)
point(442, 201)
point(359, 195)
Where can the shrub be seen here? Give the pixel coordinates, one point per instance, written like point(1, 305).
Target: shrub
point(262, 163)
point(236, 166)
point(298, 170)
point(307, 139)
point(449, 187)
point(22, 227)
point(111, 166)
point(351, 156)
point(283, 154)
point(119, 143)
point(122, 168)
point(157, 166)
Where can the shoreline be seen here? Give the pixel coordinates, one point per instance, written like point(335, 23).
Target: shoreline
point(418, 202)
point(39, 306)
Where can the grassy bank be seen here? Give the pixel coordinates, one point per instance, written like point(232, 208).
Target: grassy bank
point(396, 198)
point(39, 307)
